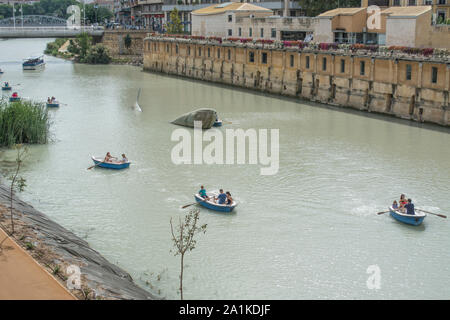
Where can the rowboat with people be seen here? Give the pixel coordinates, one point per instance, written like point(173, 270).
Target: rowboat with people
point(211, 204)
point(15, 97)
point(52, 103)
point(33, 63)
point(6, 87)
point(415, 219)
point(110, 164)
point(217, 123)
point(1, 71)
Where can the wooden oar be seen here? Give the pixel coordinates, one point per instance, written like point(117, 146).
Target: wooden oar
point(439, 215)
point(95, 165)
point(382, 212)
point(227, 122)
point(188, 205)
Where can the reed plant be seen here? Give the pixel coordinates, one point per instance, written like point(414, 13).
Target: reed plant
point(23, 122)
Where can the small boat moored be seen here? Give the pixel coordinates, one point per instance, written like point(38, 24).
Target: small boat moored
point(6, 87)
point(14, 99)
point(210, 204)
point(33, 63)
point(99, 162)
point(414, 220)
point(217, 123)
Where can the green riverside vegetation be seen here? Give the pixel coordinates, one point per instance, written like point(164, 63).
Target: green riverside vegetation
point(23, 122)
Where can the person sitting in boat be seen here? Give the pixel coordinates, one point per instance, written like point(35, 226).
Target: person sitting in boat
point(15, 95)
point(6, 85)
point(395, 205)
point(202, 193)
point(53, 99)
point(124, 158)
point(403, 202)
point(222, 197)
point(410, 208)
point(109, 158)
point(48, 100)
point(229, 198)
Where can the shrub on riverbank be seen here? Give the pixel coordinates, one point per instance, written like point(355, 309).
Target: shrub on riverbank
point(23, 122)
point(98, 54)
point(53, 47)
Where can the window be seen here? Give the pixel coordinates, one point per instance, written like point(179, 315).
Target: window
point(230, 18)
point(189, 51)
point(264, 57)
point(307, 62)
point(434, 74)
point(240, 32)
point(362, 68)
point(273, 32)
point(408, 72)
point(396, 3)
point(167, 47)
point(218, 53)
point(199, 52)
point(229, 54)
point(230, 32)
point(209, 52)
point(412, 2)
point(176, 49)
point(251, 56)
point(324, 64)
point(342, 65)
point(262, 32)
point(291, 60)
point(250, 32)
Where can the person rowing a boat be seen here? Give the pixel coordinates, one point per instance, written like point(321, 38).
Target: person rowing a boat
point(222, 197)
point(410, 208)
point(124, 158)
point(15, 95)
point(202, 193)
point(109, 158)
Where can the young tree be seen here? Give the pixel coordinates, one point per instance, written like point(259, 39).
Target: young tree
point(183, 238)
point(17, 183)
point(174, 25)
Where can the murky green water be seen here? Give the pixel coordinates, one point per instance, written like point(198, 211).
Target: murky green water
point(311, 231)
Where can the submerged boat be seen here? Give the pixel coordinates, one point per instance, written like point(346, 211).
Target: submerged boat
point(33, 63)
point(414, 220)
point(206, 116)
point(210, 204)
point(110, 165)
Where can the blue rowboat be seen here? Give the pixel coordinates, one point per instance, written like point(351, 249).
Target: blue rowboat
point(414, 220)
point(217, 123)
point(14, 99)
point(6, 88)
point(110, 165)
point(210, 204)
point(53, 105)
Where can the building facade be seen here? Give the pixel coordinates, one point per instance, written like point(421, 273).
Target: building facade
point(441, 8)
point(409, 26)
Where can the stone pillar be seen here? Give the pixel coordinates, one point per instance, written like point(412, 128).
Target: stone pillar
point(286, 8)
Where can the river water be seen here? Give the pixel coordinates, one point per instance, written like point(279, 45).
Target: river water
point(309, 232)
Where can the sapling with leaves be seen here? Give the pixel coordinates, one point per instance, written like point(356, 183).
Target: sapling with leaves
point(183, 238)
point(17, 182)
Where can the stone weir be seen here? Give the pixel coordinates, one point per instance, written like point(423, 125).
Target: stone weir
point(409, 83)
point(61, 252)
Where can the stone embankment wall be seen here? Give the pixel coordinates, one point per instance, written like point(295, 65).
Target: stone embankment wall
point(114, 41)
point(404, 85)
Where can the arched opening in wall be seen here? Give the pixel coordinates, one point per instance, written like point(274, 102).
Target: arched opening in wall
point(257, 78)
point(333, 91)
point(412, 105)
point(366, 98)
point(316, 87)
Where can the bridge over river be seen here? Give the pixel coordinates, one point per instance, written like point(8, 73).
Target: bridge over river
point(35, 26)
